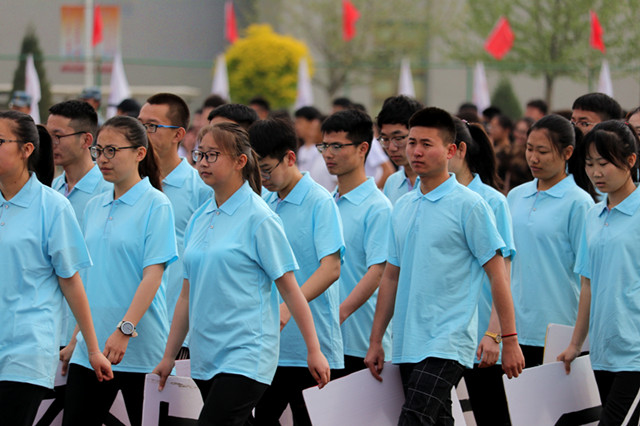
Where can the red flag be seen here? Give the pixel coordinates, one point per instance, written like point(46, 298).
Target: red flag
point(231, 30)
point(595, 40)
point(500, 40)
point(97, 26)
point(350, 16)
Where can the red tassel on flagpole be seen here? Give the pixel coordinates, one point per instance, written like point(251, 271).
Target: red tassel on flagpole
point(231, 29)
point(350, 16)
point(97, 26)
point(500, 40)
point(595, 40)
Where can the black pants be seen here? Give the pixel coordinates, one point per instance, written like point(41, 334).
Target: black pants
point(427, 389)
point(88, 401)
point(19, 402)
point(617, 392)
point(533, 355)
point(351, 365)
point(228, 399)
point(486, 394)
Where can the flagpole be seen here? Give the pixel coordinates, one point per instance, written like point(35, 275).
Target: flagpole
point(88, 48)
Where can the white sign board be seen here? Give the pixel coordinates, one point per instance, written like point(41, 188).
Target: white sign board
point(546, 395)
point(557, 339)
point(179, 400)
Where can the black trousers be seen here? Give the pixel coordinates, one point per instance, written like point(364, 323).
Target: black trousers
point(486, 394)
point(19, 402)
point(351, 365)
point(533, 355)
point(228, 399)
point(617, 392)
point(88, 401)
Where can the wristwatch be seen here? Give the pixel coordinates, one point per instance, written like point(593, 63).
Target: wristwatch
point(495, 336)
point(127, 328)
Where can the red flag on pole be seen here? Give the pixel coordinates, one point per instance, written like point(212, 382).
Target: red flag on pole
point(231, 30)
point(500, 40)
point(97, 26)
point(350, 16)
point(595, 40)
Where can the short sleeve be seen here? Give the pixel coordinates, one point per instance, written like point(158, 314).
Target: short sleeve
point(576, 222)
point(273, 250)
point(582, 256)
point(482, 235)
point(500, 209)
point(392, 256)
point(376, 238)
point(160, 236)
point(66, 245)
point(327, 229)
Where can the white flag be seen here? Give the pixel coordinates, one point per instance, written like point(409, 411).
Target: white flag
point(405, 83)
point(304, 96)
point(604, 84)
point(220, 84)
point(481, 96)
point(119, 88)
point(32, 87)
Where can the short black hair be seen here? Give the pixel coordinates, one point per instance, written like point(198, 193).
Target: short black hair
point(357, 124)
point(438, 119)
point(178, 113)
point(343, 102)
point(83, 117)
point(214, 101)
point(273, 137)
point(238, 113)
point(491, 111)
point(260, 101)
point(605, 106)
point(539, 104)
point(309, 113)
point(397, 110)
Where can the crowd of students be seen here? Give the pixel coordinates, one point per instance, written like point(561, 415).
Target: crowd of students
point(236, 258)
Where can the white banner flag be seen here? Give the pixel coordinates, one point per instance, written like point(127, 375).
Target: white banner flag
point(32, 87)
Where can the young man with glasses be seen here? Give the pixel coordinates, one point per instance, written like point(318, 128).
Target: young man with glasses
point(593, 108)
point(365, 213)
point(312, 224)
point(166, 118)
point(393, 123)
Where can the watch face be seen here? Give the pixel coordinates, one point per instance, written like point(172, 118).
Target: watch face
point(127, 328)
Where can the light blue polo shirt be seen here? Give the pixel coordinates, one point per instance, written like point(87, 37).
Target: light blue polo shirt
point(440, 241)
point(546, 228)
point(314, 230)
point(40, 240)
point(365, 214)
point(609, 256)
point(500, 208)
point(125, 236)
point(399, 184)
point(187, 192)
point(232, 255)
point(88, 187)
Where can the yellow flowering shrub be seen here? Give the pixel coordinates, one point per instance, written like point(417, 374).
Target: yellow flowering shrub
point(265, 63)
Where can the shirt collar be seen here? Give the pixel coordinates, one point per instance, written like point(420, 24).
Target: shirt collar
point(179, 175)
point(440, 191)
point(476, 183)
point(360, 193)
point(628, 206)
point(132, 195)
point(27, 193)
point(557, 191)
point(231, 205)
point(90, 180)
point(297, 194)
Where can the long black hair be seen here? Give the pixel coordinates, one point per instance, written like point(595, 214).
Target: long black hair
point(480, 156)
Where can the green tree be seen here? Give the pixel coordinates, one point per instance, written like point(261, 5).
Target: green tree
point(551, 36)
point(505, 98)
point(265, 63)
point(30, 44)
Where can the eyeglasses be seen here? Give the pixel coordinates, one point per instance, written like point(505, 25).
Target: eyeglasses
point(266, 174)
point(9, 140)
point(152, 127)
point(108, 151)
point(583, 124)
point(56, 138)
point(335, 146)
point(399, 141)
point(211, 156)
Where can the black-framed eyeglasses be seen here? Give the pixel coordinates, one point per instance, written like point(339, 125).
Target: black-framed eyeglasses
point(56, 138)
point(108, 151)
point(583, 124)
point(399, 141)
point(10, 140)
point(334, 146)
point(152, 127)
point(210, 156)
point(266, 174)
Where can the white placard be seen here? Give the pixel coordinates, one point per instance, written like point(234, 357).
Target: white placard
point(180, 398)
point(359, 399)
point(183, 367)
point(557, 339)
point(544, 394)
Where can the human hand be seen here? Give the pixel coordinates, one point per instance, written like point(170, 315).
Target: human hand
point(116, 346)
point(319, 368)
point(374, 360)
point(488, 352)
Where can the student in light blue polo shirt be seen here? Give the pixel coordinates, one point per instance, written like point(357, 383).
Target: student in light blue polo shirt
point(443, 241)
point(235, 248)
point(313, 228)
point(72, 125)
point(41, 252)
point(474, 165)
point(166, 118)
point(130, 235)
point(608, 264)
point(365, 213)
point(393, 124)
point(548, 215)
